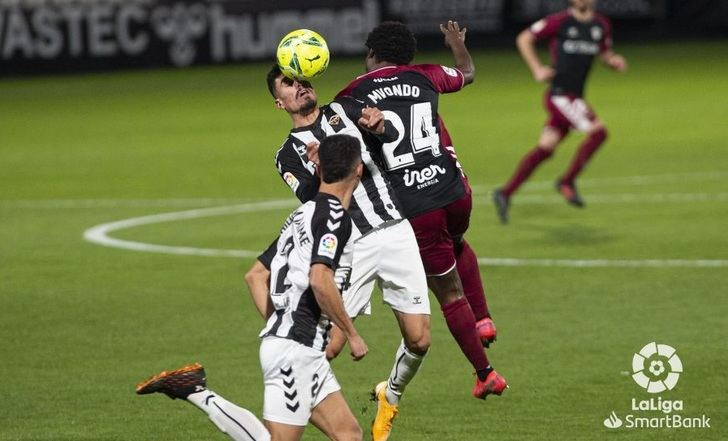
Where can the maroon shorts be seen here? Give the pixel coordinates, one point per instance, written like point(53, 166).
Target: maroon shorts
point(568, 111)
point(436, 232)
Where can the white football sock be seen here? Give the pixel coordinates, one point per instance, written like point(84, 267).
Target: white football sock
point(406, 365)
point(238, 423)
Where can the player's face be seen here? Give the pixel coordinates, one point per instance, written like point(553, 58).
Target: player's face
point(295, 96)
point(583, 5)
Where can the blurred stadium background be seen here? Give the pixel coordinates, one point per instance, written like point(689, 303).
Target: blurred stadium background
point(118, 110)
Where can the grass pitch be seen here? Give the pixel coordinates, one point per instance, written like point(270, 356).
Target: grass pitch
point(80, 324)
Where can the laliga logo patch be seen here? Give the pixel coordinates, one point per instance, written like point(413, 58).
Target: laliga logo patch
point(656, 367)
point(291, 180)
point(327, 245)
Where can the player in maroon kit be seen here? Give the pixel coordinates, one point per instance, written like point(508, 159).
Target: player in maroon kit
point(428, 182)
point(575, 37)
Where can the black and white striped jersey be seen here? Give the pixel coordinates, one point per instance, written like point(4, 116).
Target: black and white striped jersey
point(374, 202)
point(317, 232)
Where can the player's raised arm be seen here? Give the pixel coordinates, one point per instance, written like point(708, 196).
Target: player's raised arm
point(455, 40)
point(526, 43)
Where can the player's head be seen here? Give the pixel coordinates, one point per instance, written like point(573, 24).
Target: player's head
point(583, 5)
point(340, 159)
point(293, 96)
point(390, 43)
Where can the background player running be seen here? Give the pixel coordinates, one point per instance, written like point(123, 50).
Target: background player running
point(575, 37)
point(387, 239)
point(435, 195)
point(302, 301)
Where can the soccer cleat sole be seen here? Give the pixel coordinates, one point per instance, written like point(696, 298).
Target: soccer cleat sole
point(159, 382)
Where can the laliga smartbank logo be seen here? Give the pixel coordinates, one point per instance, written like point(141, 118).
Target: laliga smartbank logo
point(656, 368)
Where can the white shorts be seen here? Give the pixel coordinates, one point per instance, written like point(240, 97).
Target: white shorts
point(389, 256)
point(297, 378)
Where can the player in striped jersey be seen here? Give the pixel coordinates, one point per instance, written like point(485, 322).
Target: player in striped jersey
point(387, 239)
point(302, 301)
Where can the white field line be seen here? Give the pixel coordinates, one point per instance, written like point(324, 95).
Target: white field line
point(100, 235)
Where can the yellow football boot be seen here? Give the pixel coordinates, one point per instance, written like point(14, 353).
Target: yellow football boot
point(386, 413)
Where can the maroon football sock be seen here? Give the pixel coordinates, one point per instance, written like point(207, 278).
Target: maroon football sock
point(587, 148)
point(469, 272)
point(525, 168)
point(461, 322)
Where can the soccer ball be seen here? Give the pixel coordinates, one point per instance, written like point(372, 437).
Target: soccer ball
point(302, 55)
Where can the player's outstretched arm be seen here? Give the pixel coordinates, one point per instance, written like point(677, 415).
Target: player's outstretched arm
point(329, 299)
point(258, 278)
point(526, 43)
point(455, 40)
point(614, 61)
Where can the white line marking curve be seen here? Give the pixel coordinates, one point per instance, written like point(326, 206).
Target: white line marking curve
point(99, 234)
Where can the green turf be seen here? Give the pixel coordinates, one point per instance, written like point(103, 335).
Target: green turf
point(80, 324)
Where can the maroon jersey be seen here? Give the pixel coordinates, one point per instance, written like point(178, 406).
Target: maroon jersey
point(573, 45)
point(423, 173)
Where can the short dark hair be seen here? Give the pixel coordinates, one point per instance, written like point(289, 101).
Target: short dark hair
point(338, 157)
point(273, 74)
point(392, 42)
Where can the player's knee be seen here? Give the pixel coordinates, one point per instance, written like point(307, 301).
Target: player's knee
point(445, 297)
point(352, 432)
point(599, 131)
point(547, 149)
point(420, 344)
